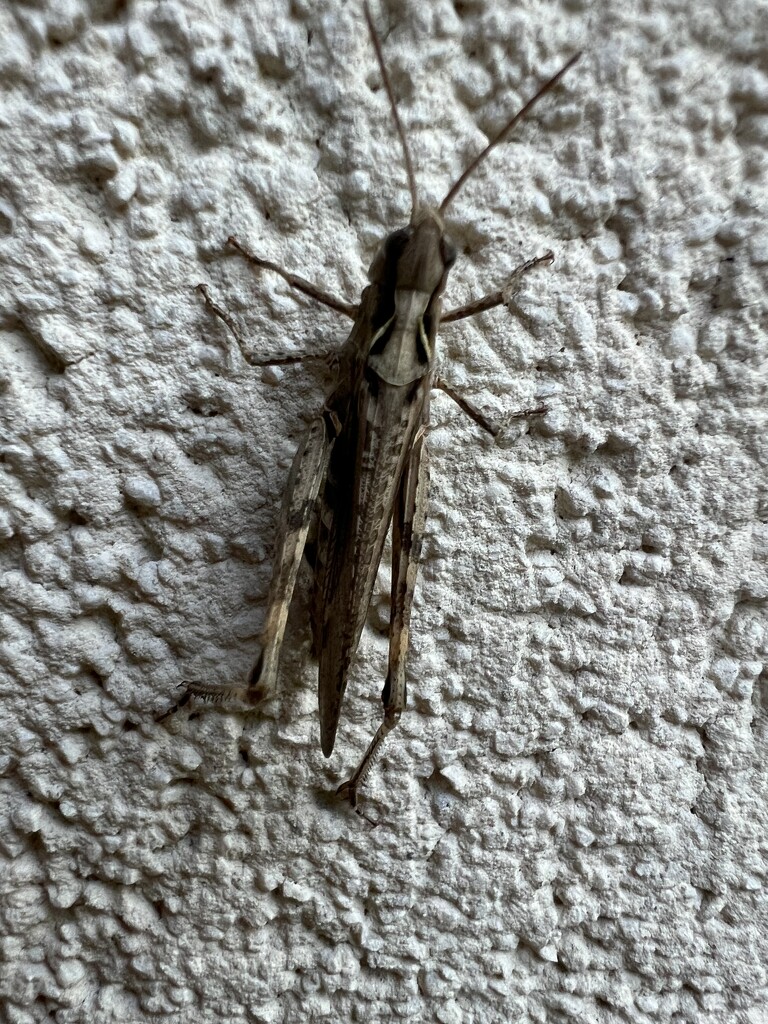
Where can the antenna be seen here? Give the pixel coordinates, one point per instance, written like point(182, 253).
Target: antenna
point(461, 180)
point(393, 106)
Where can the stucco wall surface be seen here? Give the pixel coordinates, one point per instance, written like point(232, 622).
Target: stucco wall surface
point(570, 823)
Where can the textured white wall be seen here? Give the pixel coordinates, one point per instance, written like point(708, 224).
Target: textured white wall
point(571, 820)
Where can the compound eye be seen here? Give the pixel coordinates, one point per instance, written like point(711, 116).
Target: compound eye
point(388, 254)
point(396, 242)
point(448, 251)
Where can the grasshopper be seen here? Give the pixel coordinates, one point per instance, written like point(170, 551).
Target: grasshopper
point(362, 464)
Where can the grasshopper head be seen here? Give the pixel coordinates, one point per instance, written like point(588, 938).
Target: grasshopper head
point(416, 258)
point(427, 256)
